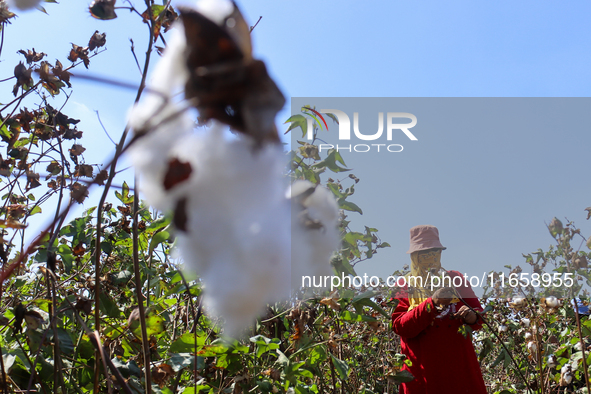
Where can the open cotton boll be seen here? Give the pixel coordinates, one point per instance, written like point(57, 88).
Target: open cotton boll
point(151, 155)
point(169, 76)
point(23, 4)
point(314, 231)
point(163, 121)
point(216, 10)
point(238, 232)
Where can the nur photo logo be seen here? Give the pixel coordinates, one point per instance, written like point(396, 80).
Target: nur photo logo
point(312, 121)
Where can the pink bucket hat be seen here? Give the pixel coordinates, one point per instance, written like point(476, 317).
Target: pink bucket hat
point(424, 237)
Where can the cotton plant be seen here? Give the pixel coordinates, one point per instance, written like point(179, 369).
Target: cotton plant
point(231, 201)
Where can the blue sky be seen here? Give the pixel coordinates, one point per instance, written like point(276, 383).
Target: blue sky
point(393, 49)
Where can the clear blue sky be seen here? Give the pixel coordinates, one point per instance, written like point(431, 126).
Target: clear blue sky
point(395, 49)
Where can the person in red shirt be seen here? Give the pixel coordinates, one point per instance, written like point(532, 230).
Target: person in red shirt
point(430, 322)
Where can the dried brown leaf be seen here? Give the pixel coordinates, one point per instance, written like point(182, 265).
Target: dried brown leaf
point(97, 40)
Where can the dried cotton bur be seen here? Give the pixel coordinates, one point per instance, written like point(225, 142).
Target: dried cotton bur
point(228, 195)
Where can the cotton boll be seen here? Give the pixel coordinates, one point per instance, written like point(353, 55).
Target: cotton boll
point(23, 4)
point(528, 336)
point(314, 231)
point(216, 10)
point(518, 303)
point(566, 376)
point(552, 302)
point(503, 328)
point(169, 76)
point(525, 322)
point(552, 362)
point(225, 14)
point(532, 347)
point(238, 232)
point(565, 368)
point(162, 122)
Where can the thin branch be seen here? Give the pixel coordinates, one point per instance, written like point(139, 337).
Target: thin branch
point(110, 81)
point(138, 286)
point(134, 56)
point(255, 25)
point(103, 126)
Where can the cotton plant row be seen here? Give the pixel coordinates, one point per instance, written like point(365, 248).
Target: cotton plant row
point(537, 330)
point(241, 227)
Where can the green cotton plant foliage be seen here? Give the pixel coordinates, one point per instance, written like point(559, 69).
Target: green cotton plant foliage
point(188, 343)
point(297, 121)
point(341, 367)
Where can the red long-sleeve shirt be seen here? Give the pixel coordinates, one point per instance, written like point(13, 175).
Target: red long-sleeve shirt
point(443, 360)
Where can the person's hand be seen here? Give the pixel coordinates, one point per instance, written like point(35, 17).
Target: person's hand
point(443, 296)
point(467, 315)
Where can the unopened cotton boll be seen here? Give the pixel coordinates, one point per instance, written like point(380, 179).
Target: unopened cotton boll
point(23, 4)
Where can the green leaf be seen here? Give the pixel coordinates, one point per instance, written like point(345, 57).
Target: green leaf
point(159, 223)
point(124, 196)
point(4, 132)
point(339, 158)
point(65, 341)
point(332, 116)
point(341, 366)
point(157, 239)
point(282, 359)
point(334, 187)
point(365, 300)
point(342, 266)
point(188, 343)
point(108, 306)
point(354, 317)
point(297, 121)
point(157, 9)
point(316, 356)
point(179, 361)
point(21, 142)
point(352, 237)
point(349, 206)
point(403, 376)
point(121, 277)
point(127, 370)
point(264, 344)
point(330, 162)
